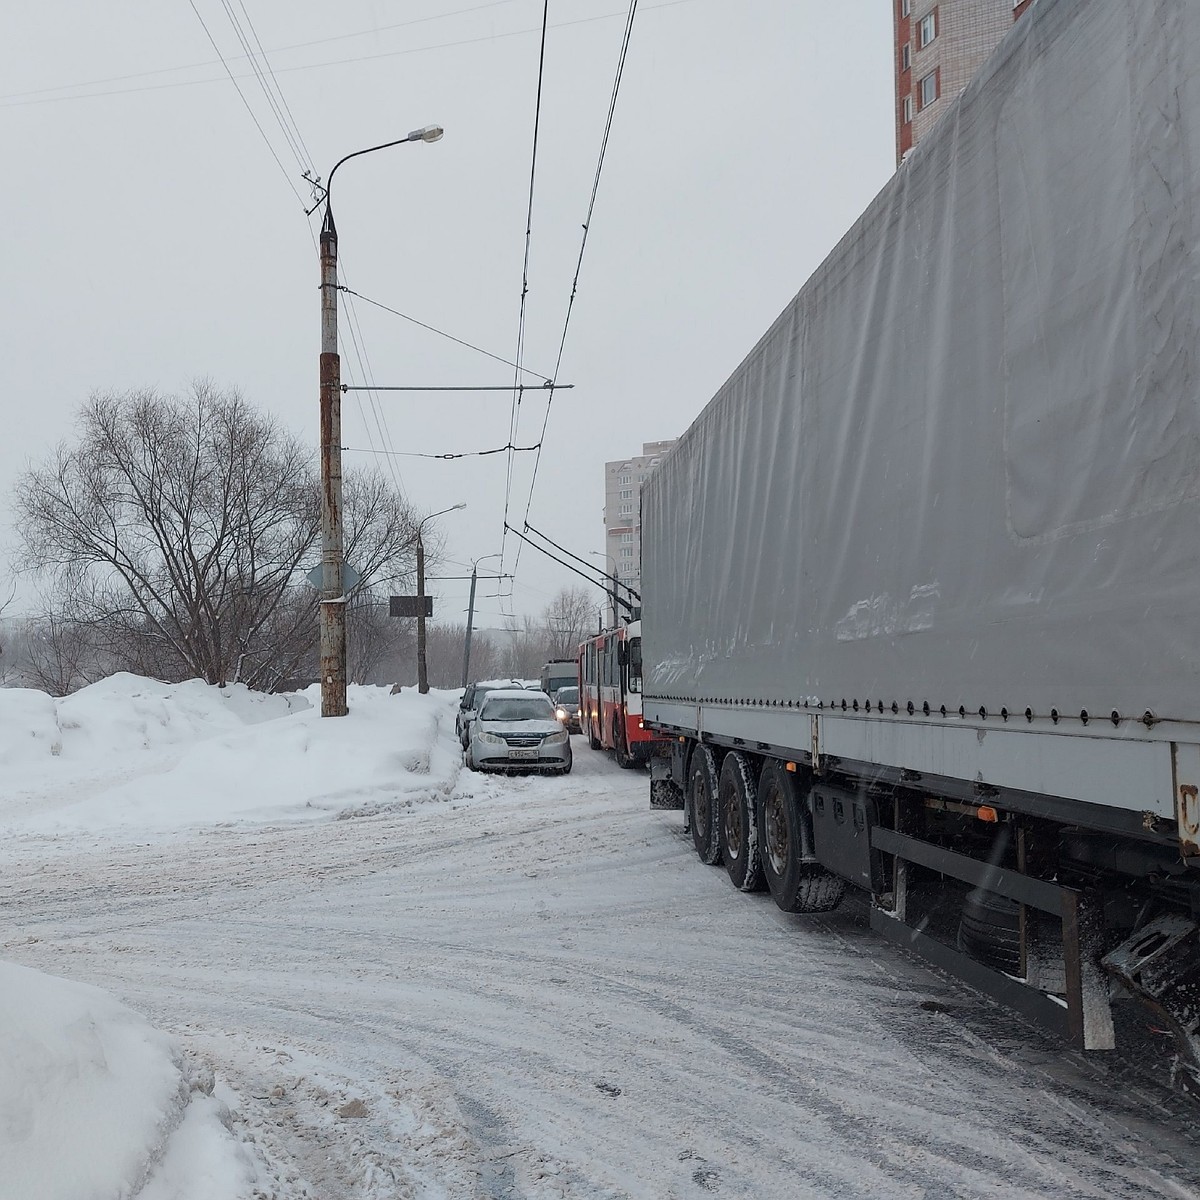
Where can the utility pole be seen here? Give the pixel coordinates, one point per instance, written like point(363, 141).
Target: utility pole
point(333, 599)
point(333, 593)
point(466, 672)
point(422, 670)
point(470, 622)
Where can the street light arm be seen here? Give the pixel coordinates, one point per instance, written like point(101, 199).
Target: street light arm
point(430, 133)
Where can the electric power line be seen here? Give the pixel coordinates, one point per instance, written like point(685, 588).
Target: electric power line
point(8, 101)
point(246, 102)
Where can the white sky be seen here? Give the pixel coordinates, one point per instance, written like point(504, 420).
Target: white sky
point(153, 239)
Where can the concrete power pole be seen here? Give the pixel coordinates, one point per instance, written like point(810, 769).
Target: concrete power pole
point(333, 599)
point(422, 670)
point(470, 623)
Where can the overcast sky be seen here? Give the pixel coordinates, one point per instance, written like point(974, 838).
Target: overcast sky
point(153, 238)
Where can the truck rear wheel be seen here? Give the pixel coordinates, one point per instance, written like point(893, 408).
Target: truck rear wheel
point(702, 797)
point(737, 823)
point(784, 834)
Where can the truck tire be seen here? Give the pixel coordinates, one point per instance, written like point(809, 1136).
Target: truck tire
point(990, 931)
point(737, 823)
point(784, 832)
point(593, 740)
point(702, 803)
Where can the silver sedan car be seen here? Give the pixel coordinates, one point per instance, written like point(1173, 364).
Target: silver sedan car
point(517, 731)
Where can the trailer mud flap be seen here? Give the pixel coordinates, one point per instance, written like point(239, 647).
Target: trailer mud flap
point(1160, 964)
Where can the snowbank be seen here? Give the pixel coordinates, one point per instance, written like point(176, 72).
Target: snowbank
point(96, 1103)
point(134, 755)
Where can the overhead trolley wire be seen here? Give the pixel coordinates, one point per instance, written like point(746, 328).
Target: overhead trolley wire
point(515, 406)
point(587, 224)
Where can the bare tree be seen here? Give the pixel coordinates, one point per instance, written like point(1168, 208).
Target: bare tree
point(176, 530)
point(568, 619)
point(60, 655)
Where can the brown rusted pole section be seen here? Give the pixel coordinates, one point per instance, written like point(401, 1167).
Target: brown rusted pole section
point(333, 599)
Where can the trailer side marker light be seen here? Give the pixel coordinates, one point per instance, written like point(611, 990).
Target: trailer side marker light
point(641, 724)
point(790, 767)
point(986, 812)
point(682, 738)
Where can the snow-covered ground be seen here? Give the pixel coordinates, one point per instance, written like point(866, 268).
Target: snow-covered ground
point(408, 980)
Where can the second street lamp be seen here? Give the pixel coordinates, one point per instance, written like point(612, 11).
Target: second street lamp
point(422, 671)
point(333, 597)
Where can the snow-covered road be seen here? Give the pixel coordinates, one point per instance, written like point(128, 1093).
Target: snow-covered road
point(533, 989)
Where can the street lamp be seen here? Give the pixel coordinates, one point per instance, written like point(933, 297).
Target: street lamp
point(466, 674)
point(422, 671)
point(333, 598)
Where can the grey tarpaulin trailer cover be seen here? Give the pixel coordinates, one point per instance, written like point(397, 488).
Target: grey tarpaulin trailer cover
point(939, 533)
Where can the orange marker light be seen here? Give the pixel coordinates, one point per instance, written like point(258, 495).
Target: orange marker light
point(790, 767)
point(986, 812)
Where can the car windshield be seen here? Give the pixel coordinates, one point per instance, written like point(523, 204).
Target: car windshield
point(568, 695)
point(516, 708)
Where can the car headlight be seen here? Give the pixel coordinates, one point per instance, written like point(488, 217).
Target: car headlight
point(557, 739)
point(490, 739)
point(561, 713)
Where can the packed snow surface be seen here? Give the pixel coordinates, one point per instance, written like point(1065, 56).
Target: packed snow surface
point(337, 965)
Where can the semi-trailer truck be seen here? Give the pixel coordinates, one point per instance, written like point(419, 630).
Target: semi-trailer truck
point(921, 583)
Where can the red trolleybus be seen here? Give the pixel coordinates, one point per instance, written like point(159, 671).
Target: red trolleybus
point(610, 694)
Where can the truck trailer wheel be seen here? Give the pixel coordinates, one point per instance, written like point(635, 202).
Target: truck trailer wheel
point(702, 803)
point(737, 823)
point(784, 832)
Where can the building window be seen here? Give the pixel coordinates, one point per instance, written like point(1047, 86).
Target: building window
point(627, 537)
point(906, 56)
point(627, 494)
point(626, 479)
point(929, 89)
point(626, 509)
point(626, 551)
point(928, 29)
point(907, 110)
point(905, 7)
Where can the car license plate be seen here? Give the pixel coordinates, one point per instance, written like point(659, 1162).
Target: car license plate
point(522, 754)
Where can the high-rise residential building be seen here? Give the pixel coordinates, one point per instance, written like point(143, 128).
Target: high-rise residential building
point(940, 44)
point(623, 481)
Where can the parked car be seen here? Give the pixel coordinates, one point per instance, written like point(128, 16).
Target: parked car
point(566, 707)
point(516, 730)
point(472, 695)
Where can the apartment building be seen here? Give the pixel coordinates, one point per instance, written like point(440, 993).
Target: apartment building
point(940, 44)
point(623, 481)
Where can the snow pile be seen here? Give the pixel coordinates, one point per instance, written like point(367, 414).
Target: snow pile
point(136, 755)
point(126, 713)
point(96, 1103)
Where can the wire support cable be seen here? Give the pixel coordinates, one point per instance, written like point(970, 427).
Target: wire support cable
point(442, 333)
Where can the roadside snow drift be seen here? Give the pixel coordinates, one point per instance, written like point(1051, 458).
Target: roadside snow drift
point(95, 1103)
point(135, 756)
